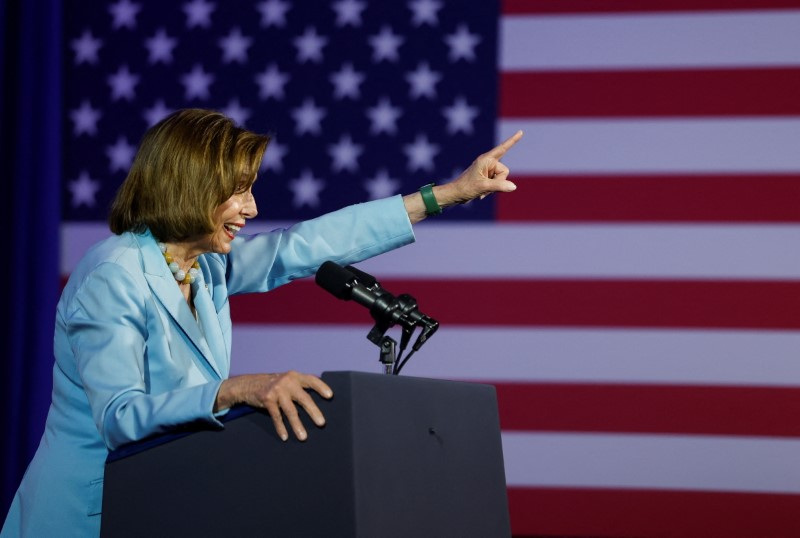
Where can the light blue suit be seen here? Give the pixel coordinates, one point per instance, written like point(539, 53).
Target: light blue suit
point(131, 360)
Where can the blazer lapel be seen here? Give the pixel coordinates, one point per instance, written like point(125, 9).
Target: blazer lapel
point(163, 284)
point(213, 332)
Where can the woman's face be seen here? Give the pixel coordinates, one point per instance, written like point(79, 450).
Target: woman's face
point(229, 219)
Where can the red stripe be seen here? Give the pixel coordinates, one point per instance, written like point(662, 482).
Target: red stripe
point(521, 7)
point(514, 302)
point(706, 410)
point(623, 513)
point(686, 92)
point(664, 198)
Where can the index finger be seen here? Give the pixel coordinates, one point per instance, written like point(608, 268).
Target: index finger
point(318, 386)
point(499, 151)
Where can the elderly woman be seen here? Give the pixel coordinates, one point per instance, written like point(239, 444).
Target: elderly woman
point(143, 328)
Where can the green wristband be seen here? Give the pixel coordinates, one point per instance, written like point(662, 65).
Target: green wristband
point(431, 205)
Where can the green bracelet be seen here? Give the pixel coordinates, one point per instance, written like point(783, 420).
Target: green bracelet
point(431, 205)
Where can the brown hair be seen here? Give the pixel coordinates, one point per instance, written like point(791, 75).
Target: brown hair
point(187, 164)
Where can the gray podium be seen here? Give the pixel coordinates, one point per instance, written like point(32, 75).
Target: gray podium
point(399, 457)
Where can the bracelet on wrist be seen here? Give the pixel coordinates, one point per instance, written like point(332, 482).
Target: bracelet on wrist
point(432, 207)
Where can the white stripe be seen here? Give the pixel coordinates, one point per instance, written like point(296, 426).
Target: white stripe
point(642, 41)
point(716, 463)
point(745, 358)
point(736, 145)
point(462, 250)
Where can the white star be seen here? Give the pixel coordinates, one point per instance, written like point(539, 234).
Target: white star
point(381, 186)
point(83, 190)
point(160, 47)
point(460, 116)
point(197, 82)
point(122, 84)
point(384, 117)
point(462, 44)
point(423, 81)
point(425, 11)
point(273, 12)
point(346, 82)
point(234, 47)
point(271, 82)
point(198, 13)
point(309, 46)
point(420, 154)
point(236, 112)
point(348, 12)
point(306, 189)
point(156, 113)
point(85, 119)
point(120, 154)
point(273, 157)
point(308, 118)
point(345, 154)
point(124, 14)
point(86, 48)
point(385, 45)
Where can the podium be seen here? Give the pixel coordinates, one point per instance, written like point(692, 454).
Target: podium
point(398, 457)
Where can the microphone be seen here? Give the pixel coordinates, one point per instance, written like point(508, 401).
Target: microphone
point(353, 284)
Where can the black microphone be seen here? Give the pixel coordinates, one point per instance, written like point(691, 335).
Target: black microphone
point(353, 284)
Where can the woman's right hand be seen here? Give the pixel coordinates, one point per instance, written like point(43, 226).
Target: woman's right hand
point(277, 393)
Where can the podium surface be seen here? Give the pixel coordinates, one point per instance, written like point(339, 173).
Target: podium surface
point(399, 456)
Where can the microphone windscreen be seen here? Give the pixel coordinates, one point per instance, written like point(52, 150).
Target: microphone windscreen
point(334, 279)
point(365, 279)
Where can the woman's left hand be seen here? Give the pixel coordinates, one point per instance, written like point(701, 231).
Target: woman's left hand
point(485, 176)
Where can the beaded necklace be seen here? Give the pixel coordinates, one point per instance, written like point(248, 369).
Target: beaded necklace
point(183, 277)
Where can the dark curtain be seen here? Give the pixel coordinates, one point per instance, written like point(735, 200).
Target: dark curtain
point(30, 160)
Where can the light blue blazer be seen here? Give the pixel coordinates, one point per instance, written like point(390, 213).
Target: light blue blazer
point(131, 360)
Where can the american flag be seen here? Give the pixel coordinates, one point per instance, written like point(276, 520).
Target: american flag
point(636, 301)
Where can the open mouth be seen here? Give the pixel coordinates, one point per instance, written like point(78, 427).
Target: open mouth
point(232, 230)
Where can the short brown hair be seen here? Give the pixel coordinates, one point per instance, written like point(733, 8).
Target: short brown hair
point(187, 164)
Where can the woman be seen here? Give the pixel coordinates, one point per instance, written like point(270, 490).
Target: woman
point(143, 329)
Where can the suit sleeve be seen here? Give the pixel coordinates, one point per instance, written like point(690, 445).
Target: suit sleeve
point(107, 331)
point(265, 261)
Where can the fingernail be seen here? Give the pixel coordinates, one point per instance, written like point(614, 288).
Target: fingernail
point(302, 435)
point(284, 437)
point(328, 394)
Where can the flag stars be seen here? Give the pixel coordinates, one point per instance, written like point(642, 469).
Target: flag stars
point(383, 117)
point(423, 81)
point(84, 189)
point(123, 14)
point(156, 113)
point(460, 116)
point(160, 47)
point(420, 154)
point(234, 47)
point(462, 44)
point(308, 118)
point(345, 154)
point(309, 46)
point(196, 83)
point(273, 13)
point(348, 12)
point(306, 189)
point(198, 13)
point(381, 186)
point(84, 119)
point(123, 84)
point(271, 82)
point(425, 12)
point(346, 82)
point(120, 155)
point(86, 48)
point(273, 157)
point(237, 112)
point(385, 44)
